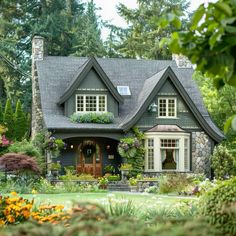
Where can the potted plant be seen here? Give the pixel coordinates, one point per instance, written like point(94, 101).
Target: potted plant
point(133, 184)
point(125, 168)
point(103, 182)
point(55, 167)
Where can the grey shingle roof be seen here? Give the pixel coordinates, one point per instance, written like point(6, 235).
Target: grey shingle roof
point(56, 75)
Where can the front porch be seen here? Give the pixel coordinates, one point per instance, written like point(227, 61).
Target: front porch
point(90, 155)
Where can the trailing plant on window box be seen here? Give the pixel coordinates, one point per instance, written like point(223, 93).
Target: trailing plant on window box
point(93, 117)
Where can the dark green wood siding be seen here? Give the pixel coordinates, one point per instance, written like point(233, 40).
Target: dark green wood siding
point(185, 119)
point(92, 84)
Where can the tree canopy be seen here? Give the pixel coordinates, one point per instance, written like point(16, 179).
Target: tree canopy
point(141, 39)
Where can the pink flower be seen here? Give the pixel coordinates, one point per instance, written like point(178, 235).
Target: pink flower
point(5, 142)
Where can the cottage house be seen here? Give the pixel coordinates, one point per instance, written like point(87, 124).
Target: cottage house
point(157, 96)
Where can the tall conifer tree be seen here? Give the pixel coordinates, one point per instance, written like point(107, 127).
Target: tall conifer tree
point(20, 121)
point(8, 119)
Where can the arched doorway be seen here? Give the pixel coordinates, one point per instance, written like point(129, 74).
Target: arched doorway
point(89, 159)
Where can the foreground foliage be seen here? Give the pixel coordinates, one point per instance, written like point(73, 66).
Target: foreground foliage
point(219, 206)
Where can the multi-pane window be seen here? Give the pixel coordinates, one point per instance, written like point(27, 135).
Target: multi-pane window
point(150, 154)
point(170, 154)
point(91, 103)
point(186, 154)
point(167, 107)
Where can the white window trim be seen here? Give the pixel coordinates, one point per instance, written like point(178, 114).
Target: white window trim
point(157, 136)
point(167, 104)
point(84, 103)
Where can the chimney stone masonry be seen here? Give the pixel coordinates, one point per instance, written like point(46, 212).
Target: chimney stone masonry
point(37, 116)
point(181, 61)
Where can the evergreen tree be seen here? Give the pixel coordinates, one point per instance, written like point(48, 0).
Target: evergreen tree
point(142, 39)
point(8, 119)
point(20, 122)
point(89, 42)
point(1, 113)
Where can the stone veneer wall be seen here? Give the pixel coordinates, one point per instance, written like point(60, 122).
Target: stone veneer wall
point(201, 152)
point(37, 116)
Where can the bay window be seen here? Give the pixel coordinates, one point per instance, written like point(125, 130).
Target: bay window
point(167, 152)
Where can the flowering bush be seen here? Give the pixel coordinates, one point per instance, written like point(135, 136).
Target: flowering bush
point(14, 209)
point(50, 213)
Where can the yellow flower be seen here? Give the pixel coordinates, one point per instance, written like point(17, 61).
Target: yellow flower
point(10, 218)
point(26, 214)
point(34, 191)
point(14, 193)
point(59, 207)
point(2, 222)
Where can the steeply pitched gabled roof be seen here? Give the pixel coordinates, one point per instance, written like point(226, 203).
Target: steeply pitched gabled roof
point(81, 74)
point(59, 75)
point(151, 87)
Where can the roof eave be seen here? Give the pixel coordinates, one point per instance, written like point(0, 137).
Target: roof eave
point(92, 63)
point(170, 74)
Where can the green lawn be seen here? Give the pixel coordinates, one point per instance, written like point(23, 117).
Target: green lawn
point(139, 199)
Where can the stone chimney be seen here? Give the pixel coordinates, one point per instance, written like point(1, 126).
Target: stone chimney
point(37, 116)
point(181, 61)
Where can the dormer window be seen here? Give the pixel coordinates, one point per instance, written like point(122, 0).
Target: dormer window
point(167, 108)
point(91, 103)
point(124, 90)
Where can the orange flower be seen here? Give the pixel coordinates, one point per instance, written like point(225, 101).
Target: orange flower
point(10, 219)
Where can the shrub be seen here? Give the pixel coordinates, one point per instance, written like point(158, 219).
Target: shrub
point(152, 189)
point(27, 148)
point(133, 182)
point(113, 177)
point(217, 206)
point(170, 183)
point(86, 177)
point(19, 162)
point(100, 118)
point(222, 162)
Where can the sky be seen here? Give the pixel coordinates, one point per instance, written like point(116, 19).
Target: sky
point(108, 11)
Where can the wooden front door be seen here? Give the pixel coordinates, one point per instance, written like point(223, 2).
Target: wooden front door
point(89, 159)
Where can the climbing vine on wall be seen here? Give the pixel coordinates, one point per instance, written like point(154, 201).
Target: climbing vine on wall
point(131, 149)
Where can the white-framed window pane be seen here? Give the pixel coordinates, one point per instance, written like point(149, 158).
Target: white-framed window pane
point(162, 107)
point(101, 103)
point(171, 107)
point(170, 159)
point(80, 103)
point(150, 154)
point(171, 143)
point(186, 154)
point(91, 103)
point(167, 107)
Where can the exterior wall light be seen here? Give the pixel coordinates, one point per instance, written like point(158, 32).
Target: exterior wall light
point(71, 146)
point(152, 107)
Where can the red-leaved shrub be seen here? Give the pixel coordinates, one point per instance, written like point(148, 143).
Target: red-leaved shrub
point(18, 162)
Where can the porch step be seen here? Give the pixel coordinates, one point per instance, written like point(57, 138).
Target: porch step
point(118, 186)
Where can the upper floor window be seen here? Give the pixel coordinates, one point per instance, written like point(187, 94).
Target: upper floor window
point(91, 103)
point(167, 107)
